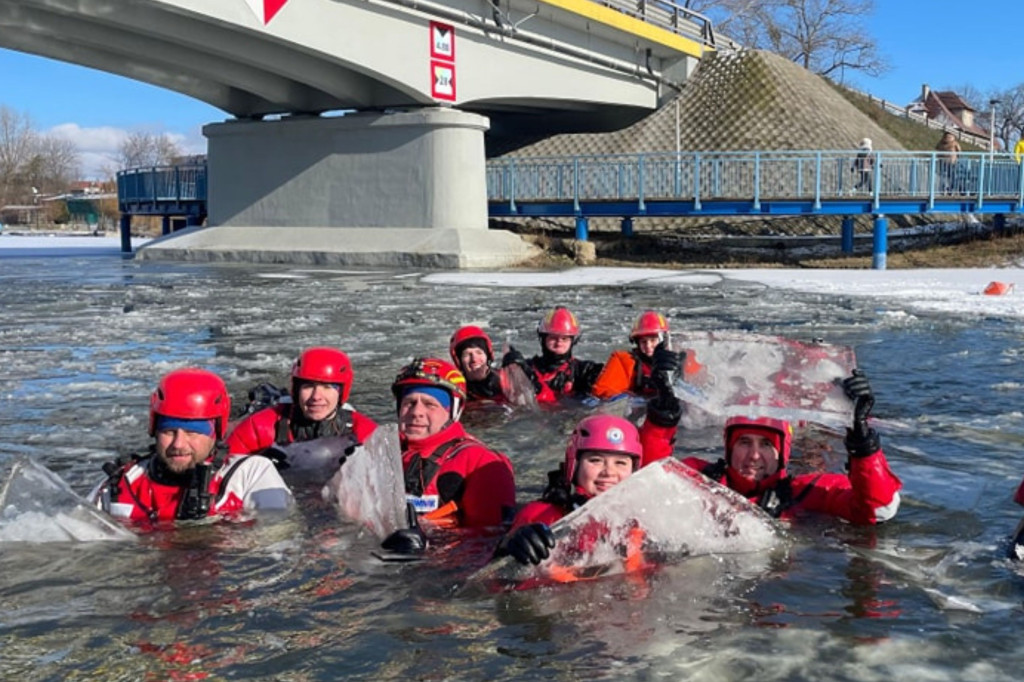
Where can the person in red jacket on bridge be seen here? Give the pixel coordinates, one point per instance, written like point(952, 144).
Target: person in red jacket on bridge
point(321, 383)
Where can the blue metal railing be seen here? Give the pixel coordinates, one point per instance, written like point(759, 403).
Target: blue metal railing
point(161, 185)
point(745, 182)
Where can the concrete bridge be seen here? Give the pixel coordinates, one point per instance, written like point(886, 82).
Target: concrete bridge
point(371, 114)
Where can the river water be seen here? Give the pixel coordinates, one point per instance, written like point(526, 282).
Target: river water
point(926, 597)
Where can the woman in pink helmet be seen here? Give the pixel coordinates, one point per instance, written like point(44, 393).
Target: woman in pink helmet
point(603, 451)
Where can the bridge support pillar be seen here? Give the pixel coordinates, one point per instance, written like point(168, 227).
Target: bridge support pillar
point(165, 225)
point(582, 228)
point(999, 223)
point(847, 234)
point(400, 189)
point(881, 243)
point(627, 227)
point(126, 233)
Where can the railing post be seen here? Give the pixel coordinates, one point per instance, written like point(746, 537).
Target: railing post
point(880, 243)
point(696, 181)
point(847, 234)
point(932, 179)
point(817, 181)
point(576, 190)
point(981, 183)
point(512, 171)
point(876, 183)
point(757, 181)
point(641, 205)
point(678, 179)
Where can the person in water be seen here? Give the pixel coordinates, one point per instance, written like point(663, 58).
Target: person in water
point(629, 372)
point(757, 451)
point(603, 450)
point(183, 476)
point(321, 383)
point(555, 373)
point(451, 478)
point(473, 353)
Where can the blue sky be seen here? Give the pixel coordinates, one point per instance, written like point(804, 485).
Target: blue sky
point(941, 43)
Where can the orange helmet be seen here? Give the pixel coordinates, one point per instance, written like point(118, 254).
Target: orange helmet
point(559, 321)
point(191, 393)
point(603, 433)
point(779, 430)
point(436, 373)
point(468, 333)
point(649, 323)
point(326, 366)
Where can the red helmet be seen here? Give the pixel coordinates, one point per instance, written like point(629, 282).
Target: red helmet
point(603, 433)
point(468, 333)
point(649, 323)
point(779, 430)
point(559, 321)
point(191, 393)
point(326, 366)
point(436, 373)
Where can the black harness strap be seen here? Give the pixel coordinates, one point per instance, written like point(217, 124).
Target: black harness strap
point(423, 470)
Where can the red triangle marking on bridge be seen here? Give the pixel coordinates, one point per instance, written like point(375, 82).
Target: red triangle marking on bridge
point(272, 7)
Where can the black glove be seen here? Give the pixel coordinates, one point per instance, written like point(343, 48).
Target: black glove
point(665, 367)
point(513, 357)
point(276, 454)
point(529, 544)
point(861, 440)
point(409, 540)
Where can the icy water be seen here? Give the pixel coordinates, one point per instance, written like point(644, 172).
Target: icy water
point(926, 597)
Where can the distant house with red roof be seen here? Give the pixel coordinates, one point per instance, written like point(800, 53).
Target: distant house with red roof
point(949, 109)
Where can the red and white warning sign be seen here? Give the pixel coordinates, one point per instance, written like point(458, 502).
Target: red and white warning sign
point(442, 80)
point(442, 41)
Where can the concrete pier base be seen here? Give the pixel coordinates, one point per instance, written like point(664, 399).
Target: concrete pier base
point(399, 189)
point(363, 247)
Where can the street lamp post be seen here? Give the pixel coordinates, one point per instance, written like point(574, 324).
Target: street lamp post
point(992, 126)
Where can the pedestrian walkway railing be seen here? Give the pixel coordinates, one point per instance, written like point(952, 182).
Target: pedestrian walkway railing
point(156, 188)
point(730, 183)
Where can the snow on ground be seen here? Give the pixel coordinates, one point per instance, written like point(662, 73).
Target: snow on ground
point(937, 290)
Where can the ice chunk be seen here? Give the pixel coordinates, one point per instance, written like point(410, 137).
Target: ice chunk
point(664, 512)
point(729, 373)
point(36, 505)
point(370, 487)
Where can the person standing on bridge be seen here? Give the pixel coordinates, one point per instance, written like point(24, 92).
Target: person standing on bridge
point(321, 382)
point(949, 152)
point(1018, 151)
point(864, 166)
point(555, 372)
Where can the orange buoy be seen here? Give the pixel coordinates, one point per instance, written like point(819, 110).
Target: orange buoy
point(998, 289)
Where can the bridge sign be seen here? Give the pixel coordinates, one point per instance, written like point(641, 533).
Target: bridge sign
point(442, 41)
point(442, 81)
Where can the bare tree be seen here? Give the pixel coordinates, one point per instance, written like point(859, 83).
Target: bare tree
point(824, 36)
point(59, 165)
point(17, 148)
point(147, 149)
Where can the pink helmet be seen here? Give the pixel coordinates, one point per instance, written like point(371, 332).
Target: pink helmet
point(191, 393)
point(603, 433)
point(649, 323)
point(469, 333)
point(779, 430)
point(559, 321)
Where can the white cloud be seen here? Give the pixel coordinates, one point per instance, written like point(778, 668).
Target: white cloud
point(99, 146)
